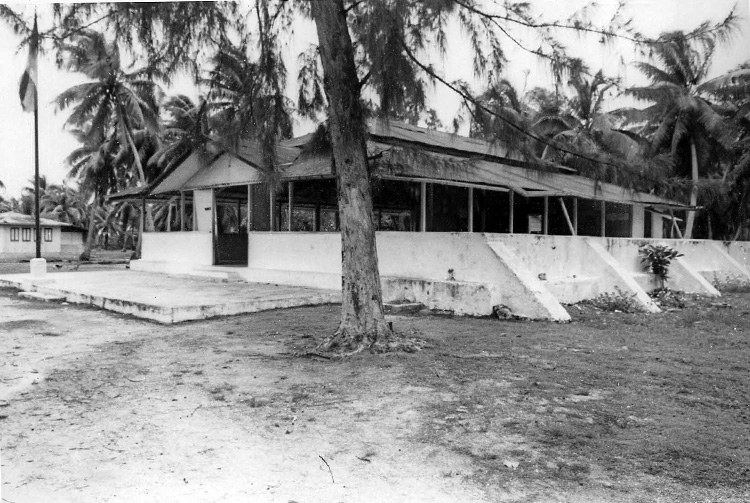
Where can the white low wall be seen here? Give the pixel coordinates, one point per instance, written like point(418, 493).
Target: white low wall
point(466, 273)
point(454, 271)
point(193, 248)
point(739, 251)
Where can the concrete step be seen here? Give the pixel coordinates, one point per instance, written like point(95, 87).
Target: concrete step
point(44, 297)
point(402, 307)
point(215, 275)
point(210, 275)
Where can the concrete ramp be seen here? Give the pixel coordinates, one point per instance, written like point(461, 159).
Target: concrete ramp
point(524, 293)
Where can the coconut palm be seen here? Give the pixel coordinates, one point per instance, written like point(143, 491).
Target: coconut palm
point(549, 129)
point(681, 120)
point(186, 129)
point(495, 109)
point(62, 203)
point(113, 100)
point(92, 165)
point(108, 227)
point(246, 102)
point(732, 91)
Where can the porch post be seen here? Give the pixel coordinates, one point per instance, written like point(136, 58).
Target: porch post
point(290, 202)
point(567, 216)
point(657, 226)
point(182, 211)
point(511, 198)
point(141, 223)
point(575, 215)
point(239, 214)
point(272, 207)
point(249, 207)
point(637, 221)
point(603, 218)
point(471, 209)
point(545, 230)
point(423, 207)
point(675, 227)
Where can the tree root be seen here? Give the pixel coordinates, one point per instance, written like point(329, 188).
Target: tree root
point(341, 344)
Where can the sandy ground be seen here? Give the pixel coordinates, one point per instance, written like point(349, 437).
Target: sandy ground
point(98, 407)
point(103, 408)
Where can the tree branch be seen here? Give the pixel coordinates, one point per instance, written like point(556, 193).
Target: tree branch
point(353, 6)
point(467, 97)
point(363, 80)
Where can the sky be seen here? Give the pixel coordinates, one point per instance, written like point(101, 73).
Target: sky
point(651, 17)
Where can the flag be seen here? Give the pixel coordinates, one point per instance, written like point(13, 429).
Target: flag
point(29, 77)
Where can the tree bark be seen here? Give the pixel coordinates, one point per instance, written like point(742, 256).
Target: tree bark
point(86, 255)
point(690, 220)
point(362, 318)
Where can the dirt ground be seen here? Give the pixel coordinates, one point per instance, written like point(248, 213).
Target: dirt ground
point(609, 408)
point(100, 260)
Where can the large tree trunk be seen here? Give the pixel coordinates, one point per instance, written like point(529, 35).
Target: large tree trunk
point(693, 191)
point(362, 319)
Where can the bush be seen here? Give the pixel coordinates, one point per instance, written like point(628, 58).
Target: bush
point(732, 284)
point(618, 301)
point(664, 297)
point(657, 258)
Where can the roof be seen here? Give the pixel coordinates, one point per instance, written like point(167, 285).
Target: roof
point(395, 148)
point(402, 132)
point(19, 219)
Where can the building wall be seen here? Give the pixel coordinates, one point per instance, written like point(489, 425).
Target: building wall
point(72, 242)
point(22, 247)
point(468, 273)
point(194, 248)
point(203, 206)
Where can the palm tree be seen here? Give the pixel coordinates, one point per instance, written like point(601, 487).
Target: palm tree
point(681, 120)
point(108, 225)
point(495, 109)
point(559, 131)
point(186, 129)
point(92, 165)
point(62, 203)
point(247, 101)
point(732, 91)
point(582, 136)
point(113, 99)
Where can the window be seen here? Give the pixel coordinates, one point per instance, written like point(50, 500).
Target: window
point(47, 234)
point(27, 234)
point(14, 232)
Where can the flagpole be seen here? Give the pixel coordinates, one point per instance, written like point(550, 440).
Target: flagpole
point(29, 95)
point(36, 174)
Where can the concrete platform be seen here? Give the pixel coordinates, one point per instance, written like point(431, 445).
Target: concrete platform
point(44, 297)
point(168, 299)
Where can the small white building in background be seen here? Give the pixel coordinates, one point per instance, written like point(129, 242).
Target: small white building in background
point(18, 237)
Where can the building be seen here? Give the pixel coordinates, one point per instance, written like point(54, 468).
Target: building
point(18, 237)
point(463, 224)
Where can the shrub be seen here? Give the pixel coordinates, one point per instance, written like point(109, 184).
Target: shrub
point(656, 260)
point(732, 284)
point(664, 297)
point(617, 301)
